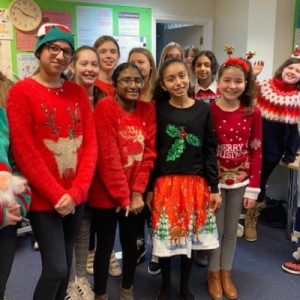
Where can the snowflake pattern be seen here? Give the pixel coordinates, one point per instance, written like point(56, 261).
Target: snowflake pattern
point(255, 144)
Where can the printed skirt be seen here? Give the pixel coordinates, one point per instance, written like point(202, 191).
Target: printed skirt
point(182, 219)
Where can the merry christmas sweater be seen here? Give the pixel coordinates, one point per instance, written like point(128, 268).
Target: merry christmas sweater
point(53, 140)
point(7, 164)
point(126, 152)
point(186, 143)
point(279, 104)
point(239, 138)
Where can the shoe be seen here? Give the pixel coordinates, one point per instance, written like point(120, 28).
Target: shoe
point(296, 254)
point(126, 294)
point(84, 288)
point(228, 287)
point(36, 246)
point(141, 251)
point(114, 266)
point(295, 236)
point(291, 267)
point(251, 221)
point(240, 230)
point(72, 292)
point(215, 291)
point(90, 262)
point(154, 266)
point(201, 258)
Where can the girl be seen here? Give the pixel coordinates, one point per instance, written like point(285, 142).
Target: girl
point(205, 67)
point(237, 125)
point(190, 53)
point(109, 53)
point(10, 213)
point(85, 70)
point(58, 137)
point(171, 50)
point(125, 161)
point(185, 170)
point(279, 102)
point(144, 60)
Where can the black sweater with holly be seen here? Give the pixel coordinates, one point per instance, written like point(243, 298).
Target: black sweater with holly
point(186, 142)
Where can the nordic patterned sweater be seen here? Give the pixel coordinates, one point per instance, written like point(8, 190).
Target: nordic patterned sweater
point(239, 138)
point(7, 164)
point(53, 140)
point(186, 143)
point(126, 152)
point(279, 104)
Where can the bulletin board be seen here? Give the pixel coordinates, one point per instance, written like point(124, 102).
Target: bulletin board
point(131, 26)
point(297, 24)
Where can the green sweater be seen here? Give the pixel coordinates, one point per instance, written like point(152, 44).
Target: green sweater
point(7, 164)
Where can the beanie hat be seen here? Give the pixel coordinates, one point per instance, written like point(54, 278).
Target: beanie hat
point(50, 32)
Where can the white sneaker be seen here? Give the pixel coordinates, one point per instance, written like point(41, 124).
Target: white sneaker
point(240, 230)
point(296, 254)
point(114, 266)
point(84, 288)
point(72, 292)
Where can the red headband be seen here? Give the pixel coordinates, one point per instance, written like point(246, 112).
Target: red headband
point(238, 62)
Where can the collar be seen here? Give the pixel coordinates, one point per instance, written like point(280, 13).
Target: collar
point(212, 87)
point(279, 83)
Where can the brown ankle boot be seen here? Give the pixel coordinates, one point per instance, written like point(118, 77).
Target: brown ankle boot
point(214, 285)
point(101, 297)
point(228, 286)
point(251, 221)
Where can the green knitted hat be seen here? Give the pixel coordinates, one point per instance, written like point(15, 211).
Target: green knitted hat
point(50, 32)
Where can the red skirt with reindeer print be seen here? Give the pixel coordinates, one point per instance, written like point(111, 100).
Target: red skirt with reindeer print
point(182, 220)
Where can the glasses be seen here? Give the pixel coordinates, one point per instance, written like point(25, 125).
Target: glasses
point(128, 80)
point(54, 49)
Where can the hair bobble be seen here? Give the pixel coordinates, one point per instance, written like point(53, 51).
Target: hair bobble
point(237, 62)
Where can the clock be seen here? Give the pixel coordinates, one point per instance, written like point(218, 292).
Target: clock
point(25, 15)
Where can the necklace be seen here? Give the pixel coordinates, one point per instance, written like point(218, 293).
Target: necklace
point(51, 89)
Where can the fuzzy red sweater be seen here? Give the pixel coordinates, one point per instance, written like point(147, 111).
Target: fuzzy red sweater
point(53, 139)
point(239, 150)
point(105, 87)
point(126, 152)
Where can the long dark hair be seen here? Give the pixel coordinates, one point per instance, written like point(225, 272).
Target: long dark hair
point(289, 61)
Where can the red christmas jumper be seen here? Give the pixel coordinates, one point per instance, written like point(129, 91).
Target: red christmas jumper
point(239, 151)
point(105, 87)
point(126, 152)
point(53, 139)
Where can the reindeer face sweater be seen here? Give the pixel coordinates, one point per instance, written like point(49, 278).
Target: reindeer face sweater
point(126, 144)
point(53, 139)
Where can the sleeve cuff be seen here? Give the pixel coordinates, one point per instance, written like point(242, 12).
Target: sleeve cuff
point(252, 193)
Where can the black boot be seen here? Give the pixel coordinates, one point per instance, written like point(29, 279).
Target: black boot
point(166, 288)
point(186, 268)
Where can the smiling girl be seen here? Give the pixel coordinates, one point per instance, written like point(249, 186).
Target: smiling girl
point(237, 125)
point(54, 142)
point(125, 160)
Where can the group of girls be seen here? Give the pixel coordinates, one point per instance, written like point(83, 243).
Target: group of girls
point(204, 161)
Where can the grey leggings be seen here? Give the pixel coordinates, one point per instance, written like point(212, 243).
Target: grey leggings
point(227, 220)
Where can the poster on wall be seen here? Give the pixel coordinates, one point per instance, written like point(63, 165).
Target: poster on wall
point(6, 28)
point(93, 22)
point(26, 41)
point(27, 63)
point(129, 23)
point(126, 43)
point(5, 59)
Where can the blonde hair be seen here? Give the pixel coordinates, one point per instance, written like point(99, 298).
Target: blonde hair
point(165, 51)
point(147, 92)
point(5, 84)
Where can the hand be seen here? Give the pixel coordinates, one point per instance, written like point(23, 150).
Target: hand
point(12, 219)
point(15, 209)
point(137, 203)
point(5, 178)
point(215, 201)
point(249, 203)
point(126, 208)
point(257, 67)
point(148, 200)
point(65, 205)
